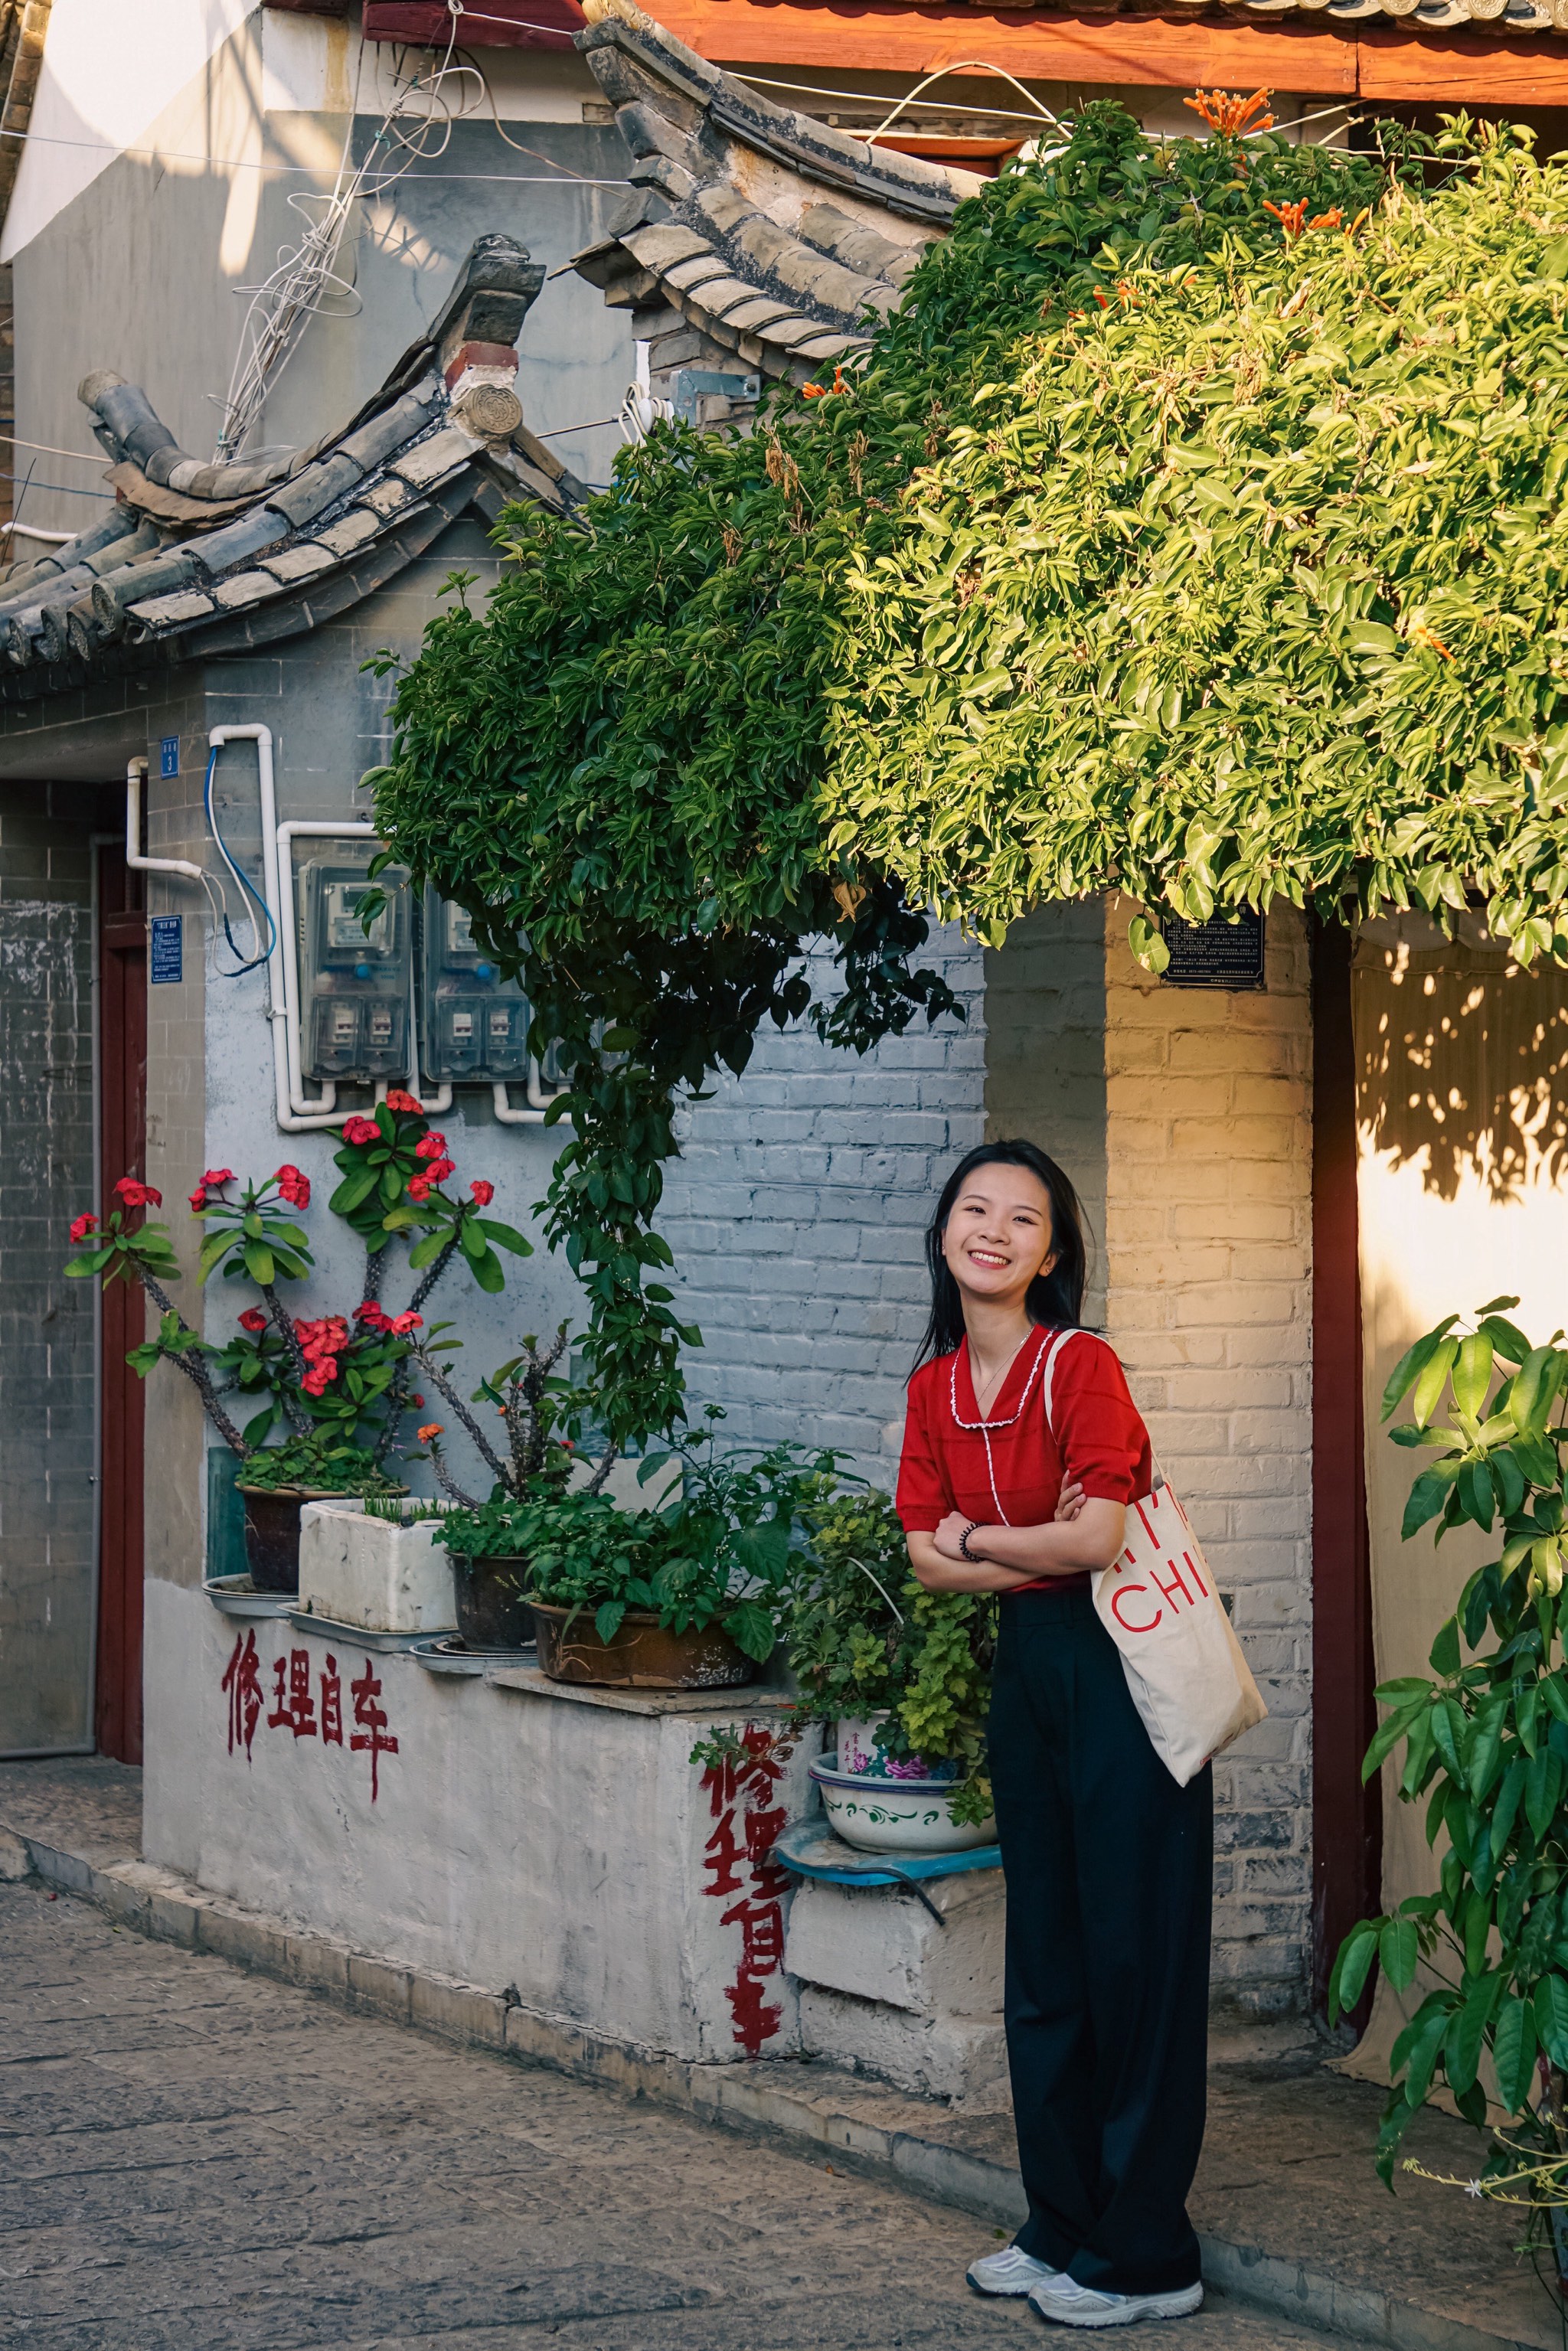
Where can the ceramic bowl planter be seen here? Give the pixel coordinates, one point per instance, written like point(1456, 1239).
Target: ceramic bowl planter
point(643, 1654)
point(861, 1753)
point(883, 1815)
point(491, 1593)
point(272, 1531)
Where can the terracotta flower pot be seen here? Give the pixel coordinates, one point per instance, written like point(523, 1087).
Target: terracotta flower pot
point(643, 1656)
point(491, 1593)
point(272, 1531)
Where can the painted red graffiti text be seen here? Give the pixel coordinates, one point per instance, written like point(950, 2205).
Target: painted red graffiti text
point(306, 1710)
point(747, 1825)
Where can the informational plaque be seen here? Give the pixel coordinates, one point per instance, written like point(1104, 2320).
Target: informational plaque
point(1225, 952)
point(168, 949)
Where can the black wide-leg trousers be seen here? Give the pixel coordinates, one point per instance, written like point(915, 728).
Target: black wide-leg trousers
point(1108, 1866)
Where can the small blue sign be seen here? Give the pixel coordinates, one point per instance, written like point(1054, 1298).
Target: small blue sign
point(168, 956)
point(168, 763)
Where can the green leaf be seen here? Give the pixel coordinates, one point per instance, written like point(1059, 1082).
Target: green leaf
point(1467, 2033)
point(608, 1618)
point(259, 1263)
point(213, 1251)
point(1398, 1949)
point(1445, 1655)
point(1552, 2017)
point(507, 1235)
point(1513, 2053)
point(1411, 1365)
point(1352, 1967)
point(1472, 1374)
point(1148, 944)
point(487, 1272)
point(1433, 1380)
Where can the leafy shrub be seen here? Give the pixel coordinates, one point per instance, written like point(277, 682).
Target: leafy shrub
point(1486, 1745)
point(865, 1635)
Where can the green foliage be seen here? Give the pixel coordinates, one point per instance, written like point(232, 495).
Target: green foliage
point(251, 1237)
point(781, 687)
point(340, 1381)
point(721, 1548)
point(865, 1636)
point(319, 1463)
point(1485, 1747)
point(1246, 584)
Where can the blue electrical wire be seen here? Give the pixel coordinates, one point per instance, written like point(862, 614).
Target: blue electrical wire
point(244, 881)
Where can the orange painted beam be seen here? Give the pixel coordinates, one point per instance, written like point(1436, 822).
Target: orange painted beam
point(1287, 54)
point(868, 35)
point(1465, 67)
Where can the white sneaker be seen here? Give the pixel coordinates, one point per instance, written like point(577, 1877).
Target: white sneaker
point(1010, 2270)
point(1072, 2304)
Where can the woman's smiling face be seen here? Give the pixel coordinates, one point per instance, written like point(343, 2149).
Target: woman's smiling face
point(998, 1235)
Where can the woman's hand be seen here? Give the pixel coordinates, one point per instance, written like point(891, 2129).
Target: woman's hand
point(1068, 1502)
point(949, 1536)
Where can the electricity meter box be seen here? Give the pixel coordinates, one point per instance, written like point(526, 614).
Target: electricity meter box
point(474, 1023)
point(355, 986)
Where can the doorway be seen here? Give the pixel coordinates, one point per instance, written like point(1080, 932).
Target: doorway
point(122, 1147)
point(1347, 1817)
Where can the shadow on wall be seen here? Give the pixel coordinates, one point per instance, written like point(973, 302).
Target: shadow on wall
point(1464, 1058)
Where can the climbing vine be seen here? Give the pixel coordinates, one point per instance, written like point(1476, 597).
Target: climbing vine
point(1190, 529)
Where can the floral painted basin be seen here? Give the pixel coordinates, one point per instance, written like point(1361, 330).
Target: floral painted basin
point(895, 1815)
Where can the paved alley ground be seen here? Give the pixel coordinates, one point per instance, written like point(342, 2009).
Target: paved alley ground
point(194, 2158)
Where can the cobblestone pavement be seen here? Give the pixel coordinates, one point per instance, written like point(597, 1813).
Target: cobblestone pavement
point(190, 2157)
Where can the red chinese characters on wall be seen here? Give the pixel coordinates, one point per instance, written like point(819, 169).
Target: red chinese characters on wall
point(307, 1706)
point(747, 1823)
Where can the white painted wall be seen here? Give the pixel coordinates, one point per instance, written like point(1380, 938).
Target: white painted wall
point(109, 73)
point(565, 1848)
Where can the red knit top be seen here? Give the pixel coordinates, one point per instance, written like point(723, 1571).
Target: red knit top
point(1095, 1434)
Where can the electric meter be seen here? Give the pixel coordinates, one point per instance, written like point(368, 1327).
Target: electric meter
point(474, 1023)
point(354, 984)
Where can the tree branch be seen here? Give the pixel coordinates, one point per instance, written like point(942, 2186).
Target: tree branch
point(445, 1389)
point(283, 1323)
point(195, 1369)
point(448, 1483)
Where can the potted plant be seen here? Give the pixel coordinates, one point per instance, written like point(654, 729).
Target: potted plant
point(1485, 1744)
point(687, 1595)
point(904, 1676)
point(334, 1389)
point(486, 1538)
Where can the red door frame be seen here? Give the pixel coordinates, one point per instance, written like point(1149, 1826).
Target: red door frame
point(1347, 1818)
point(123, 1146)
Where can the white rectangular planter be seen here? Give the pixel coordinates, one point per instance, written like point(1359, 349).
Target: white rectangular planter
point(372, 1573)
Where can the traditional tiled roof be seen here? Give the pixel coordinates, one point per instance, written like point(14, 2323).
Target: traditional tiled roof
point(209, 558)
point(769, 234)
point(1419, 15)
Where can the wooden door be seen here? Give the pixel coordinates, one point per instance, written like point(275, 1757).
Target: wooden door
point(123, 1148)
point(1347, 1818)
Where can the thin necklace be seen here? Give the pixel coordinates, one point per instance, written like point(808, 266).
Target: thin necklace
point(1049, 1342)
point(998, 1385)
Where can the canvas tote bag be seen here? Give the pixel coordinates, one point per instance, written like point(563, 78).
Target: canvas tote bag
point(1190, 1683)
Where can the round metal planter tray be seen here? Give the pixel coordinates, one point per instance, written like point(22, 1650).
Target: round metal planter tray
point(448, 1652)
point(237, 1595)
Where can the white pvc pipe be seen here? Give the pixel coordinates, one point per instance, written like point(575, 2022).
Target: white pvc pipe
point(135, 777)
point(506, 1116)
point(288, 1117)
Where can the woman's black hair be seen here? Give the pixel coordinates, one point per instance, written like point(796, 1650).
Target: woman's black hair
point(1055, 1299)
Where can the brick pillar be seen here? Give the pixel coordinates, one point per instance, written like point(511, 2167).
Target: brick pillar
point(1208, 1222)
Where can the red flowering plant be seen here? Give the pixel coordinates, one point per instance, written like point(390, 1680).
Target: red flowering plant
point(336, 1388)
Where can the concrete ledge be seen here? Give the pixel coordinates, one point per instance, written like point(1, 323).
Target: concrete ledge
point(862, 2126)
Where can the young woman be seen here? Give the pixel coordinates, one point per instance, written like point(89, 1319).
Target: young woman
point(1107, 1860)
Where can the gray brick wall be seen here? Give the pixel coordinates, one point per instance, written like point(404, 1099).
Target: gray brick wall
point(48, 1558)
point(797, 1212)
